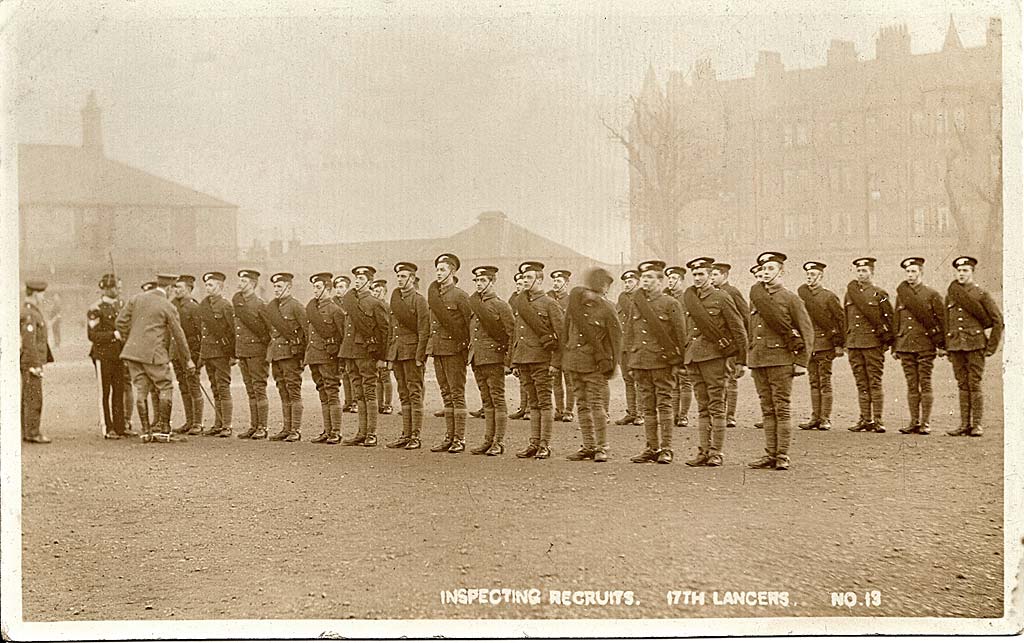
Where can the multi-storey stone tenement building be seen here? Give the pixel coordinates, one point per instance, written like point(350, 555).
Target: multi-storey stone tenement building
point(833, 161)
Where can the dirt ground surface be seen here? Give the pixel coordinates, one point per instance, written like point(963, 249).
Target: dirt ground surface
point(231, 529)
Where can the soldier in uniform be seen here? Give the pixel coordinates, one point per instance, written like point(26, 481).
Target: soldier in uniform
point(491, 328)
point(970, 311)
point(188, 379)
point(829, 323)
point(564, 399)
point(682, 388)
point(449, 345)
point(720, 279)
point(365, 348)
point(592, 346)
point(217, 351)
point(716, 335)
point(385, 391)
point(341, 285)
point(630, 281)
point(655, 335)
point(150, 324)
point(106, 350)
point(286, 319)
point(325, 334)
point(35, 353)
point(410, 329)
point(523, 412)
point(920, 330)
point(869, 333)
point(756, 271)
point(537, 354)
point(251, 338)
point(781, 337)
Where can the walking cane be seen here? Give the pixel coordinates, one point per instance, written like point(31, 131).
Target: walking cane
point(101, 422)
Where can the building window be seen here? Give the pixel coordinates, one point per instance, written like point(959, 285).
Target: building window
point(791, 225)
point(940, 122)
point(787, 135)
point(840, 223)
point(919, 220)
point(874, 187)
point(802, 134)
point(942, 218)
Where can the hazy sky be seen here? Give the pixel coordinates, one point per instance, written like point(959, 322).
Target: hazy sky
point(403, 119)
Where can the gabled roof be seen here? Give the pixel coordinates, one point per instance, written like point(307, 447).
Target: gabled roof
point(69, 174)
point(492, 236)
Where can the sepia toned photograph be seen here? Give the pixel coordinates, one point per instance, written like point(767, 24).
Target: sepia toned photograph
point(380, 319)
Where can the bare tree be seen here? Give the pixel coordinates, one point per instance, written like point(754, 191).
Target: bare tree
point(974, 172)
point(671, 167)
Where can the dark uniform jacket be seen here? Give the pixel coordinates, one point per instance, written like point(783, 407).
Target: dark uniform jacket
point(741, 303)
point(410, 343)
point(217, 321)
point(35, 348)
point(829, 302)
point(441, 342)
point(100, 320)
point(677, 294)
point(191, 325)
point(581, 355)
point(357, 346)
point(484, 349)
point(623, 306)
point(150, 323)
point(290, 340)
point(964, 332)
point(645, 351)
point(911, 335)
point(527, 347)
point(768, 348)
point(326, 330)
point(727, 321)
point(859, 331)
point(562, 298)
point(251, 332)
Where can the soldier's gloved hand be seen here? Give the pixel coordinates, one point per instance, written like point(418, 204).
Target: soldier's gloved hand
point(382, 365)
point(799, 370)
point(552, 370)
point(894, 354)
point(199, 364)
point(419, 364)
point(117, 335)
point(941, 352)
point(35, 370)
point(740, 370)
point(515, 371)
point(190, 366)
point(840, 351)
point(232, 362)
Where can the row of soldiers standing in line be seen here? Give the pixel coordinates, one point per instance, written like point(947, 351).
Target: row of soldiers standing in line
point(701, 339)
